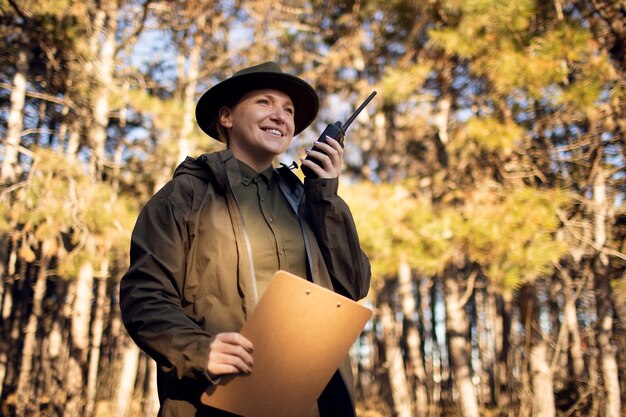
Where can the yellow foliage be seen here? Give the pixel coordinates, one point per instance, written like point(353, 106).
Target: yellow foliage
point(398, 84)
point(60, 198)
point(167, 115)
point(27, 254)
point(510, 233)
point(492, 134)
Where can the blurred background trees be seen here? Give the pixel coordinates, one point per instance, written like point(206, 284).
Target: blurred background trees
point(486, 178)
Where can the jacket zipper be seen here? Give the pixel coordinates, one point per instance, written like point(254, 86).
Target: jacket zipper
point(231, 198)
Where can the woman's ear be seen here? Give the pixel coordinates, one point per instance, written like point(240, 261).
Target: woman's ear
point(225, 117)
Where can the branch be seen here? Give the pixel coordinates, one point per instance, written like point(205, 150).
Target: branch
point(23, 14)
point(558, 347)
point(138, 29)
point(20, 148)
point(42, 96)
point(469, 289)
point(589, 242)
point(13, 187)
point(298, 26)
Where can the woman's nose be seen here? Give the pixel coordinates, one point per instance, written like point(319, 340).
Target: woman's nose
point(279, 115)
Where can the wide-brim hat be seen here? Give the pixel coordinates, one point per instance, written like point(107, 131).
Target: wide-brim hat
point(266, 75)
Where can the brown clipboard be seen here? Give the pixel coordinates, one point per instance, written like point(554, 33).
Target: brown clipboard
point(301, 332)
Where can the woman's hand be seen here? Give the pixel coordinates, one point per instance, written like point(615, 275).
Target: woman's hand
point(331, 159)
point(230, 353)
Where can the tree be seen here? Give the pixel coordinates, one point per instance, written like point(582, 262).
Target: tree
point(486, 177)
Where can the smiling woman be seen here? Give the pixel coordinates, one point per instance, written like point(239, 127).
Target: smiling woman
point(260, 127)
point(206, 246)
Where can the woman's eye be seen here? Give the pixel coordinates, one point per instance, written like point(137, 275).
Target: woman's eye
point(289, 110)
point(263, 101)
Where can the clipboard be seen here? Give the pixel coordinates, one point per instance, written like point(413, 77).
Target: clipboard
point(301, 332)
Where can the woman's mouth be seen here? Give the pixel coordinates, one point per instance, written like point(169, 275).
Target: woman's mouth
point(274, 132)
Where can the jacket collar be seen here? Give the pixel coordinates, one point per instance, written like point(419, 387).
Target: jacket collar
point(223, 166)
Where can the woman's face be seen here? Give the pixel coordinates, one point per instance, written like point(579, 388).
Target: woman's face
point(260, 127)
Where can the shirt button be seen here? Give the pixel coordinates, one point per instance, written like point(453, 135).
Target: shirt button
point(281, 252)
point(323, 183)
point(270, 220)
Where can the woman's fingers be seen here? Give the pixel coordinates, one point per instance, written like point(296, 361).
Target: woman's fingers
point(230, 353)
point(330, 157)
point(236, 339)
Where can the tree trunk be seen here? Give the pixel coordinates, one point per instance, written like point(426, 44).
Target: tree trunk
point(79, 343)
point(73, 140)
point(6, 306)
point(439, 372)
point(560, 334)
point(104, 76)
point(413, 338)
point(424, 286)
point(604, 300)
point(151, 399)
point(96, 339)
point(367, 364)
point(190, 87)
point(58, 348)
point(570, 317)
point(457, 332)
point(604, 335)
point(188, 72)
point(502, 330)
point(81, 308)
point(483, 360)
point(24, 385)
point(540, 372)
point(619, 303)
point(14, 124)
point(396, 372)
point(126, 385)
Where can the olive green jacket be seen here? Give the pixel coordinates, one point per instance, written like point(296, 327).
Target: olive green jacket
point(191, 274)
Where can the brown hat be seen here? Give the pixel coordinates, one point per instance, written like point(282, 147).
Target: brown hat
point(266, 75)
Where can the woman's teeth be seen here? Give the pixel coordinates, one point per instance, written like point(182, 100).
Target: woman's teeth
point(274, 132)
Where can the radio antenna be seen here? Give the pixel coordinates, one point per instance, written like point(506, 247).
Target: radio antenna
point(357, 111)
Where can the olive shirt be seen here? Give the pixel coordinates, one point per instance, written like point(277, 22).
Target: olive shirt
point(275, 236)
point(274, 229)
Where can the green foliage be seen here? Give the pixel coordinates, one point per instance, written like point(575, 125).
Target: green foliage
point(5, 210)
point(481, 26)
point(399, 84)
point(60, 199)
point(166, 114)
point(492, 134)
point(375, 209)
point(591, 79)
point(57, 8)
point(510, 233)
point(618, 285)
point(509, 69)
point(563, 42)
point(395, 225)
point(496, 38)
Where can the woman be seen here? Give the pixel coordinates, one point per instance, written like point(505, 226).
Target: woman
point(206, 245)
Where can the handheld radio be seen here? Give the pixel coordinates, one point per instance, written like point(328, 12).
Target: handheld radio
point(336, 131)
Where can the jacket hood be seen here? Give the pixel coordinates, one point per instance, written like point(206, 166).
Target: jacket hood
point(194, 167)
point(214, 167)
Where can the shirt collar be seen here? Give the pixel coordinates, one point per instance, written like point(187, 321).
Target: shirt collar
point(250, 175)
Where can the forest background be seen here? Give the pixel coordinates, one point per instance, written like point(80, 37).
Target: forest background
point(486, 178)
